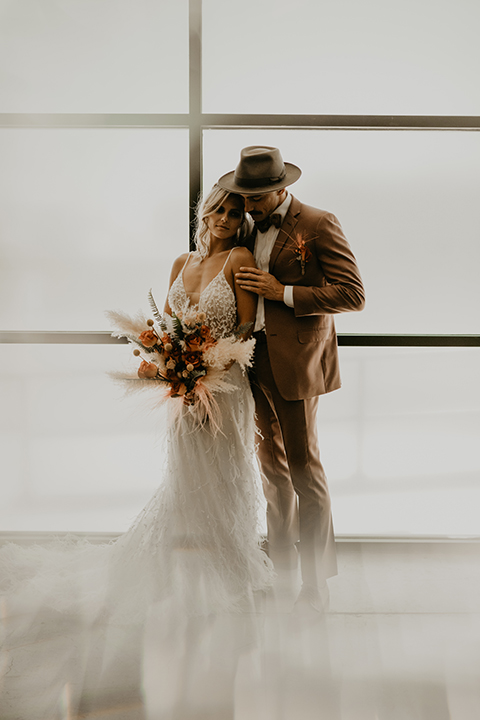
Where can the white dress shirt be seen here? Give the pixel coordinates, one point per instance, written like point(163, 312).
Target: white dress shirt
point(264, 243)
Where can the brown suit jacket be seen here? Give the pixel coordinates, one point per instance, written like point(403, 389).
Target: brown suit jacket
point(302, 342)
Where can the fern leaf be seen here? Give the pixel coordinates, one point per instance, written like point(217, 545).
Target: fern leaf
point(242, 329)
point(177, 327)
point(156, 312)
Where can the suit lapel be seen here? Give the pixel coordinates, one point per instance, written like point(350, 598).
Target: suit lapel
point(250, 240)
point(285, 234)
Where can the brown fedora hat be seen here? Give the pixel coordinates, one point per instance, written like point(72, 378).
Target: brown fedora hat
point(261, 170)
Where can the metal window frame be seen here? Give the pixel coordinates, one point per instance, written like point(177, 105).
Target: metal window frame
point(196, 122)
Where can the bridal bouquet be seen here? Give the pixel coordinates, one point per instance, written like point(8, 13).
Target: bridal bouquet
point(180, 358)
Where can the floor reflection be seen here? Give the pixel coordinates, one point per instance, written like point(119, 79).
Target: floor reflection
point(365, 660)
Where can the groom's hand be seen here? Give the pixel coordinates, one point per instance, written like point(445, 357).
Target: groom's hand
point(260, 283)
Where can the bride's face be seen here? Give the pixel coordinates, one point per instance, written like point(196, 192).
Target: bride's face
point(224, 222)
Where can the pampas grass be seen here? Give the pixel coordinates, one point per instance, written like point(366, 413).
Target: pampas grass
point(217, 357)
point(229, 349)
point(126, 326)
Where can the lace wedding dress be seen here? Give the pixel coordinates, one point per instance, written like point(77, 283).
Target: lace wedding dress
point(194, 549)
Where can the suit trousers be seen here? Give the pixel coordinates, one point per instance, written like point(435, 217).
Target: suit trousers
point(295, 486)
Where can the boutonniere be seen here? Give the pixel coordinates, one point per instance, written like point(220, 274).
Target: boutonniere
point(301, 251)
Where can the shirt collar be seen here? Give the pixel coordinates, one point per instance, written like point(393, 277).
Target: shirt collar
point(283, 208)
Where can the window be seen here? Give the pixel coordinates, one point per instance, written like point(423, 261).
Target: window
point(112, 117)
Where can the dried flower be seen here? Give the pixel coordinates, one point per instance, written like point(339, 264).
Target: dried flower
point(193, 358)
point(206, 335)
point(148, 338)
point(147, 370)
point(193, 342)
point(301, 251)
point(177, 388)
point(190, 363)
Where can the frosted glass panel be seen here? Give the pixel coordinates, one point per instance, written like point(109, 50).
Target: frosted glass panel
point(399, 441)
point(91, 219)
point(342, 57)
point(408, 202)
point(113, 56)
point(76, 456)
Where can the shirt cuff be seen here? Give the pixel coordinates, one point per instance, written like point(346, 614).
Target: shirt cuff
point(288, 295)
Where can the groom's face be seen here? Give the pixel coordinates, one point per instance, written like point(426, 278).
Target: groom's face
point(259, 206)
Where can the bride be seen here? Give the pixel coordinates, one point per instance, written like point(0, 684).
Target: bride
point(194, 550)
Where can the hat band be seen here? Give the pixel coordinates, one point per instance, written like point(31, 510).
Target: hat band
point(259, 182)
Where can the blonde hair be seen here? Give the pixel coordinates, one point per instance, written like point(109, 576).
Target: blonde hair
point(206, 207)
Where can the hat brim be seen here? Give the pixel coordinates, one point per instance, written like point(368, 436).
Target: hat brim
point(227, 182)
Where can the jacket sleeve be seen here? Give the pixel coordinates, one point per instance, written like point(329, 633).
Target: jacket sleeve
point(342, 288)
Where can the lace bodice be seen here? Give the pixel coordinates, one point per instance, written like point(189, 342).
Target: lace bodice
point(217, 301)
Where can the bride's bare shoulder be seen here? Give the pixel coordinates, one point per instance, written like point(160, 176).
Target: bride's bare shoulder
point(242, 256)
point(178, 264)
point(181, 260)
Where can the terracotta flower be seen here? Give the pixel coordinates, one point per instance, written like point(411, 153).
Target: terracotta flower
point(147, 370)
point(302, 252)
point(193, 342)
point(148, 338)
point(206, 335)
point(192, 358)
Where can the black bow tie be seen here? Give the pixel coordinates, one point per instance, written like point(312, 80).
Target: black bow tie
point(275, 219)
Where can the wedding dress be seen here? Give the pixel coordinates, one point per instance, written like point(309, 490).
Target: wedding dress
point(194, 550)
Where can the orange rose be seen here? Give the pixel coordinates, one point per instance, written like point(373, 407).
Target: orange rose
point(192, 358)
point(148, 338)
point(193, 342)
point(206, 335)
point(147, 370)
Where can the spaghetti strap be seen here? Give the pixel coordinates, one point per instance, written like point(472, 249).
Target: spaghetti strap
point(185, 265)
point(226, 261)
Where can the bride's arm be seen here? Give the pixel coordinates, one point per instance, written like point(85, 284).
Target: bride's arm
point(176, 268)
point(246, 300)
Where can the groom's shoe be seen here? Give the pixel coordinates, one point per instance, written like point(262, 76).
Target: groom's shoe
point(312, 598)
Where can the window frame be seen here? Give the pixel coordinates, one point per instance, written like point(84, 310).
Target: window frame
point(197, 122)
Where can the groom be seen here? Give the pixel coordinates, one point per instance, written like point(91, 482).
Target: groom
point(306, 273)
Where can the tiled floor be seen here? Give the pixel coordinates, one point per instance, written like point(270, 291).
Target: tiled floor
point(402, 642)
